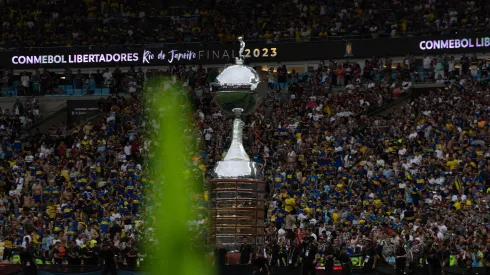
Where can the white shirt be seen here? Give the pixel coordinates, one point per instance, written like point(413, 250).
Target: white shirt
point(201, 116)
point(29, 158)
point(115, 216)
point(25, 80)
point(79, 242)
point(427, 62)
point(215, 115)
point(442, 228)
point(132, 86)
point(24, 244)
point(127, 150)
point(281, 232)
point(451, 66)
point(111, 117)
point(20, 184)
point(301, 217)
point(107, 75)
point(455, 198)
point(122, 157)
point(406, 85)
point(208, 133)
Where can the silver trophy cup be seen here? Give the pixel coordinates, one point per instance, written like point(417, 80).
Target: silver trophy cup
point(236, 94)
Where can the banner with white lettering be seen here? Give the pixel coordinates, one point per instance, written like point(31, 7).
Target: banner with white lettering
point(268, 53)
point(463, 43)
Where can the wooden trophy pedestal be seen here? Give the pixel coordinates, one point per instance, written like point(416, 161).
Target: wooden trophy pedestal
point(236, 210)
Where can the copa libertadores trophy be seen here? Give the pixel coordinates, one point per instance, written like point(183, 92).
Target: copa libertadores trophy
point(237, 188)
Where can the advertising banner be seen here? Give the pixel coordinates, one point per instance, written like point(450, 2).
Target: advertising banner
point(472, 43)
point(162, 56)
point(192, 54)
point(81, 110)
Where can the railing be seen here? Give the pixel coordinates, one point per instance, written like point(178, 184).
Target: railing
point(67, 269)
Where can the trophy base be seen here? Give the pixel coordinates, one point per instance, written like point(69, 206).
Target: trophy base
point(236, 210)
point(237, 169)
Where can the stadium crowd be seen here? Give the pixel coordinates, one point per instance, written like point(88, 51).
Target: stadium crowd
point(416, 180)
point(70, 191)
point(407, 189)
point(122, 22)
point(390, 77)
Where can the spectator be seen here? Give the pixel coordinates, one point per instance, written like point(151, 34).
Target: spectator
point(340, 75)
point(25, 79)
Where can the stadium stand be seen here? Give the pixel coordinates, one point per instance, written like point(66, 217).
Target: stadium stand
point(130, 22)
point(414, 182)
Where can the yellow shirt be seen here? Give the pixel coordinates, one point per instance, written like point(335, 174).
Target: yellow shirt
point(51, 211)
point(452, 164)
point(66, 174)
point(289, 204)
point(8, 244)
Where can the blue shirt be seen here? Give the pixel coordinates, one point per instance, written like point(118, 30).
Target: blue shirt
point(46, 242)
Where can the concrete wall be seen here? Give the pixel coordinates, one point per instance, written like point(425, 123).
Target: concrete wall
point(56, 120)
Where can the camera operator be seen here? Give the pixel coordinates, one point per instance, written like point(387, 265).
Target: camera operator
point(370, 256)
point(343, 256)
point(486, 259)
point(436, 258)
point(401, 258)
point(91, 254)
point(329, 255)
point(418, 253)
point(74, 254)
point(260, 262)
point(109, 256)
point(293, 252)
point(308, 252)
point(28, 262)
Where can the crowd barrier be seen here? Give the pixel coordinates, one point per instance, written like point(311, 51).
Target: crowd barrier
point(15, 269)
point(235, 270)
point(387, 270)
